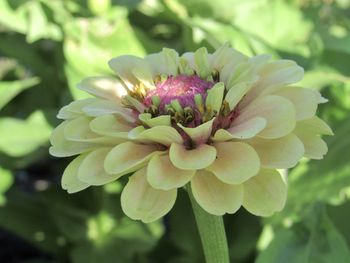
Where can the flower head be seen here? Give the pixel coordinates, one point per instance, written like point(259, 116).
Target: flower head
point(222, 122)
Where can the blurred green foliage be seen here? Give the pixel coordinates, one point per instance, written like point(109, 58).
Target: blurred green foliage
point(47, 46)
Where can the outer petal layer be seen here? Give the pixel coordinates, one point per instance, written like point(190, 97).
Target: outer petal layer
point(140, 201)
point(70, 181)
point(91, 170)
point(214, 196)
point(265, 193)
point(278, 112)
point(198, 158)
point(305, 101)
point(128, 157)
point(162, 174)
point(236, 162)
point(279, 153)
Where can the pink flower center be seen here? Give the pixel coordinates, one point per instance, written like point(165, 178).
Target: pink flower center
point(182, 88)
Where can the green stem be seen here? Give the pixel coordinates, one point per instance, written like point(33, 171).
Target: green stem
point(212, 232)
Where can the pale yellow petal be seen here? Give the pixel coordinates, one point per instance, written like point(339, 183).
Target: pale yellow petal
point(279, 153)
point(214, 196)
point(225, 55)
point(309, 131)
point(103, 107)
point(70, 181)
point(236, 162)
point(305, 101)
point(91, 170)
point(61, 147)
point(278, 112)
point(272, 77)
point(142, 202)
point(74, 109)
point(165, 135)
point(315, 147)
point(215, 96)
point(278, 74)
point(199, 158)
point(313, 125)
point(129, 157)
point(202, 64)
point(110, 125)
point(134, 103)
point(201, 133)
point(78, 130)
point(103, 87)
point(247, 128)
point(124, 67)
point(265, 193)
point(236, 93)
point(147, 119)
point(164, 62)
point(222, 135)
point(162, 174)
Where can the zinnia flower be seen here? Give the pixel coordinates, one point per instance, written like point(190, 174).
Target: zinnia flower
point(222, 123)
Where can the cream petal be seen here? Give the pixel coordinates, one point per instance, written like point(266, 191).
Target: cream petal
point(124, 66)
point(313, 125)
point(214, 196)
point(199, 158)
point(144, 75)
point(225, 55)
point(165, 135)
point(110, 125)
point(236, 162)
point(265, 193)
point(201, 133)
point(91, 170)
point(74, 109)
point(162, 174)
point(61, 147)
point(215, 96)
point(184, 67)
point(273, 76)
point(163, 120)
point(222, 135)
point(189, 56)
point(305, 101)
point(278, 74)
point(164, 62)
point(278, 112)
point(248, 128)
point(103, 107)
point(142, 202)
point(315, 147)
point(202, 64)
point(309, 131)
point(278, 153)
point(78, 130)
point(103, 87)
point(134, 103)
point(128, 157)
point(70, 181)
point(236, 93)
point(134, 133)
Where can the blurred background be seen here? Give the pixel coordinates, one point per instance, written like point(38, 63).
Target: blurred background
point(47, 46)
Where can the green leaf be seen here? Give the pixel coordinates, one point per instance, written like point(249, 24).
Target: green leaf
point(90, 44)
point(20, 137)
point(38, 24)
point(6, 180)
point(10, 89)
point(314, 240)
point(13, 18)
